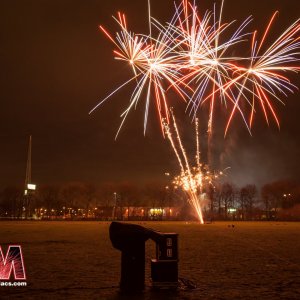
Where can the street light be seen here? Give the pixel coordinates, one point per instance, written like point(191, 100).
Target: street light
point(31, 187)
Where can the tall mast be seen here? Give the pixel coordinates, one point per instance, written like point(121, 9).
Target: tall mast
point(28, 167)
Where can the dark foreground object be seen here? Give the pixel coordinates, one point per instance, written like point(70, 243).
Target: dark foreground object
point(130, 240)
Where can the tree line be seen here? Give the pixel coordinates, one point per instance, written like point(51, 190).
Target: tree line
point(275, 200)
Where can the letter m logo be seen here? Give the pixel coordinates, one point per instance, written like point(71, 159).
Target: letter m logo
point(13, 261)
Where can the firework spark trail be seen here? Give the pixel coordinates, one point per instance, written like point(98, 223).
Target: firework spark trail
point(203, 55)
point(193, 180)
point(264, 75)
point(189, 56)
point(188, 169)
point(158, 63)
point(169, 136)
point(152, 61)
point(183, 180)
point(190, 183)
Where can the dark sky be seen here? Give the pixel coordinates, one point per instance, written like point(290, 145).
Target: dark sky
point(56, 65)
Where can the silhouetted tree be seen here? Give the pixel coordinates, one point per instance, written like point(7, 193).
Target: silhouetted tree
point(48, 197)
point(90, 196)
point(277, 195)
point(227, 194)
point(247, 199)
point(107, 194)
point(12, 202)
point(73, 197)
point(128, 194)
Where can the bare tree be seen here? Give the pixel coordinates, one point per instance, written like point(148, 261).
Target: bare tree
point(128, 194)
point(48, 197)
point(212, 192)
point(73, 196)
point(89, 191)
point(12, 202)
point(224, 198)
point(227, 197)
point(247, 199)
point(107, 194)
point(278, 194)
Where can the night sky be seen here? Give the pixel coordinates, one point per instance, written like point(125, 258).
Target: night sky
point(56, 65)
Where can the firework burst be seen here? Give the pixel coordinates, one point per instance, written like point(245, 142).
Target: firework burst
point(192, 55)
point(153, 63)
point(265, 77)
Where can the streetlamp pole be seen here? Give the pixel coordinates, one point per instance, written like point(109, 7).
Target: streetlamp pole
point(114, 206)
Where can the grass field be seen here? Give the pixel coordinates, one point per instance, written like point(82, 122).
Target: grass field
point(75, 260)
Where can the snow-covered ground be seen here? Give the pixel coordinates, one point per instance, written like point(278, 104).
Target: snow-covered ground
point(75, 260)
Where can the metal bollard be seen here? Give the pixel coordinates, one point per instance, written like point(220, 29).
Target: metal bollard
point(130, 240)
point(164, 269)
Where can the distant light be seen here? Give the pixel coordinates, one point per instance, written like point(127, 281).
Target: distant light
point(156, 211)
point(231, 210)
point(31, 186)
point(25, 192)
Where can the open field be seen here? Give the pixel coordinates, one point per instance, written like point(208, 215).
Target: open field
point(75, 260)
